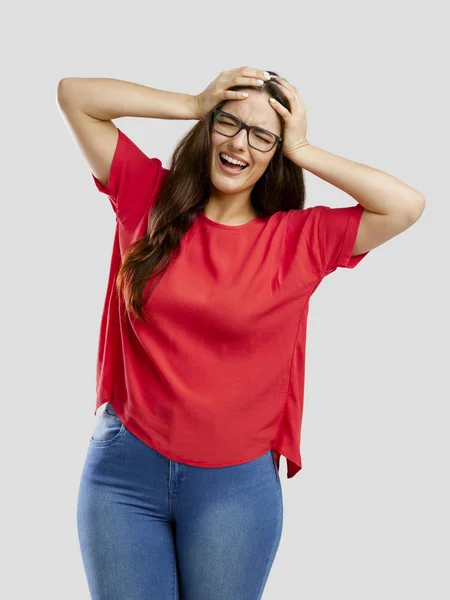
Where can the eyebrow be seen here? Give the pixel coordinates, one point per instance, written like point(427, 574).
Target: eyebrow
point(257, 126)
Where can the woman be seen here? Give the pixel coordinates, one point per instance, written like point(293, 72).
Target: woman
point(202, 339)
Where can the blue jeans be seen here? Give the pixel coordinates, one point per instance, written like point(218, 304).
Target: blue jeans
point(151, 528)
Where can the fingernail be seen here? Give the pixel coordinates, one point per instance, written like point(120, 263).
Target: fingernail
point(267, 75)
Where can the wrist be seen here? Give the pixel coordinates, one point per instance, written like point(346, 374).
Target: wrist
point(194, 108)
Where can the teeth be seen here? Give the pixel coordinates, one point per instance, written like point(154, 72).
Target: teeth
point(232, 160)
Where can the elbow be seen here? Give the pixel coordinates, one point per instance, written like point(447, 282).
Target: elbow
point(63, 89)
point(418, 208)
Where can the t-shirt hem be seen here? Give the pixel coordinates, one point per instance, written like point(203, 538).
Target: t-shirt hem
point(176, 457)
point(293, 463)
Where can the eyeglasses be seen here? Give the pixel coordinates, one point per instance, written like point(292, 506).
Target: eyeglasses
point(258, 138)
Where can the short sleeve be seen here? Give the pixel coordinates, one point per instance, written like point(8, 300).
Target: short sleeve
point(133, 181)
point(325, 237)
point(333, 234)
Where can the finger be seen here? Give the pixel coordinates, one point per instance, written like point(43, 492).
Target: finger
point(286, 87)
point(252, 73)
point(290, 91)
point(279, 107)
point(232, 95)
point(253, 81)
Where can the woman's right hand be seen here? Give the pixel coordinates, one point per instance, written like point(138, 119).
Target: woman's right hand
point(218, 90)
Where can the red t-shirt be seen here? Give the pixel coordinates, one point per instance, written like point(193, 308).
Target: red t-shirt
point(216, 378)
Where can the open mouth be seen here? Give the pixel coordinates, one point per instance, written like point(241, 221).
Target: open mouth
point(229, 167)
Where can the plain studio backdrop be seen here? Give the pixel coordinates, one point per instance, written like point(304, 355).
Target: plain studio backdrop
point(367, 516)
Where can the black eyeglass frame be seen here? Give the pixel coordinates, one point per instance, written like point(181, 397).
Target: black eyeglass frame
point(242, 125)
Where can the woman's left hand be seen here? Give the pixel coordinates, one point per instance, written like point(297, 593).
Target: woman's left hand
point(294, 121)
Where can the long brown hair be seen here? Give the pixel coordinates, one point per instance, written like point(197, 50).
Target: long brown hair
point(186, 191)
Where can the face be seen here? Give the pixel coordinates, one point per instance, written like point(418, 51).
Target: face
point(253, 110)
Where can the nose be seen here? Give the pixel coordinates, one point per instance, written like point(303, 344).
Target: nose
point(240, 140)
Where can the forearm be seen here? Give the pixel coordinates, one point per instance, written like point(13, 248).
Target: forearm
point(373, 189)
point(106, 99)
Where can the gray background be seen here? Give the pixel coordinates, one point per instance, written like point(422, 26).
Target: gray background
point(367, 516)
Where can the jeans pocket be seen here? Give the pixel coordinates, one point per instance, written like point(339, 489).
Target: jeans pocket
point(108, 428)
